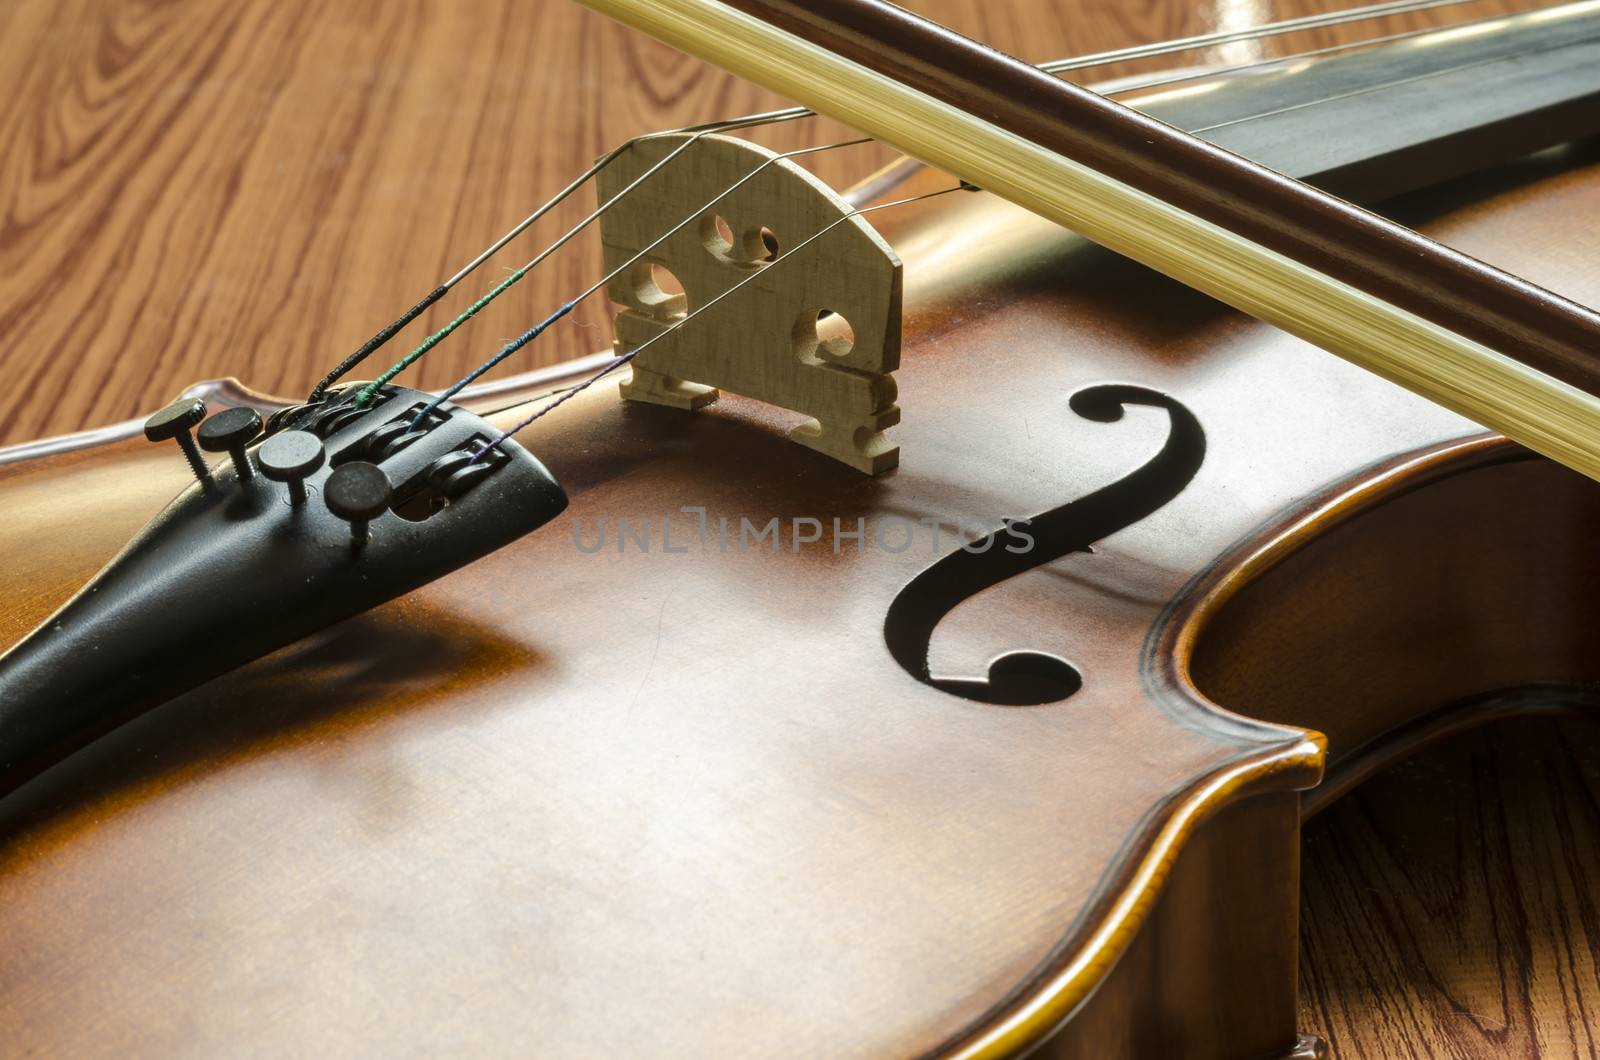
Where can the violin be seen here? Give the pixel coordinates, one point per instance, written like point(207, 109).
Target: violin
point(923, 631)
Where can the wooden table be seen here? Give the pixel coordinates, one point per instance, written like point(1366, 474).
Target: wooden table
point(196, 189)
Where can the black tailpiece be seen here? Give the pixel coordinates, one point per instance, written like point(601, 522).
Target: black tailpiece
point(239, 566)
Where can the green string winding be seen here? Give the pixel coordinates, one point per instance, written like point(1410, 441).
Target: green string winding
point(370, 391)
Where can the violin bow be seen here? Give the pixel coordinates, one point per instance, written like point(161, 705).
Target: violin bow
point(1479, 341)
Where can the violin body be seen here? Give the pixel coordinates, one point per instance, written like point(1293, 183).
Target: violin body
point(668, 777)
point(600, 797)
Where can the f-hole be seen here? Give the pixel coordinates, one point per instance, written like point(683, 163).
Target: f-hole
point(1032, 678)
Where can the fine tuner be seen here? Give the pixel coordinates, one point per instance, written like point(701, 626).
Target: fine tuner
point(289, 458)
point(229, 431)
point(340, 518)
point(357, 491)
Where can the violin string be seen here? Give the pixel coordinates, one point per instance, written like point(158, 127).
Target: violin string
point(1208, 73)
point(373, 344)
point(538, 329)
point(368, 392)
point(1370, 11)
point(1266, 29)
point(1365, 89)
point(560, 397)
point(629, 355)
point(623, 358)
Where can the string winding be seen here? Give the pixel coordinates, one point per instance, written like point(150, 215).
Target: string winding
point(538, 329)
point(372, 344)
point(366, 393)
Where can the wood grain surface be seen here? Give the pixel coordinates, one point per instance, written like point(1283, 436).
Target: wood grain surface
point(193, 189)
point(1448, 905)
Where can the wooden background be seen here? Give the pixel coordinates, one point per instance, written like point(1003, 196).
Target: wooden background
point(198, 188)
point(1449, 905)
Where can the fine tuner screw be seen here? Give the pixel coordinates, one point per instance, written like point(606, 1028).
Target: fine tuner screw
point(174, 422)
point(289, 457)
point(230, 431)
point(357, 492)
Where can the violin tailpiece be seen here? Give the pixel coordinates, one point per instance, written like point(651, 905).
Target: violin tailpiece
point(337, 510)
point(820, 336)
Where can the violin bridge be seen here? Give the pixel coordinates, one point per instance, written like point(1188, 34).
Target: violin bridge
point(820, 336)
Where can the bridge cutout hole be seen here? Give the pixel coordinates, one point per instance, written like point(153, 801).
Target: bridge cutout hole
point(757, 245)
point(657, 288)
point(717, 236)
point(823, 335)
point(665, 280)
point(761, 244)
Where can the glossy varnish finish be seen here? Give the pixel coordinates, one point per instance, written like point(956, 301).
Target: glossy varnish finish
point(687, 799)
point(528, 801)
